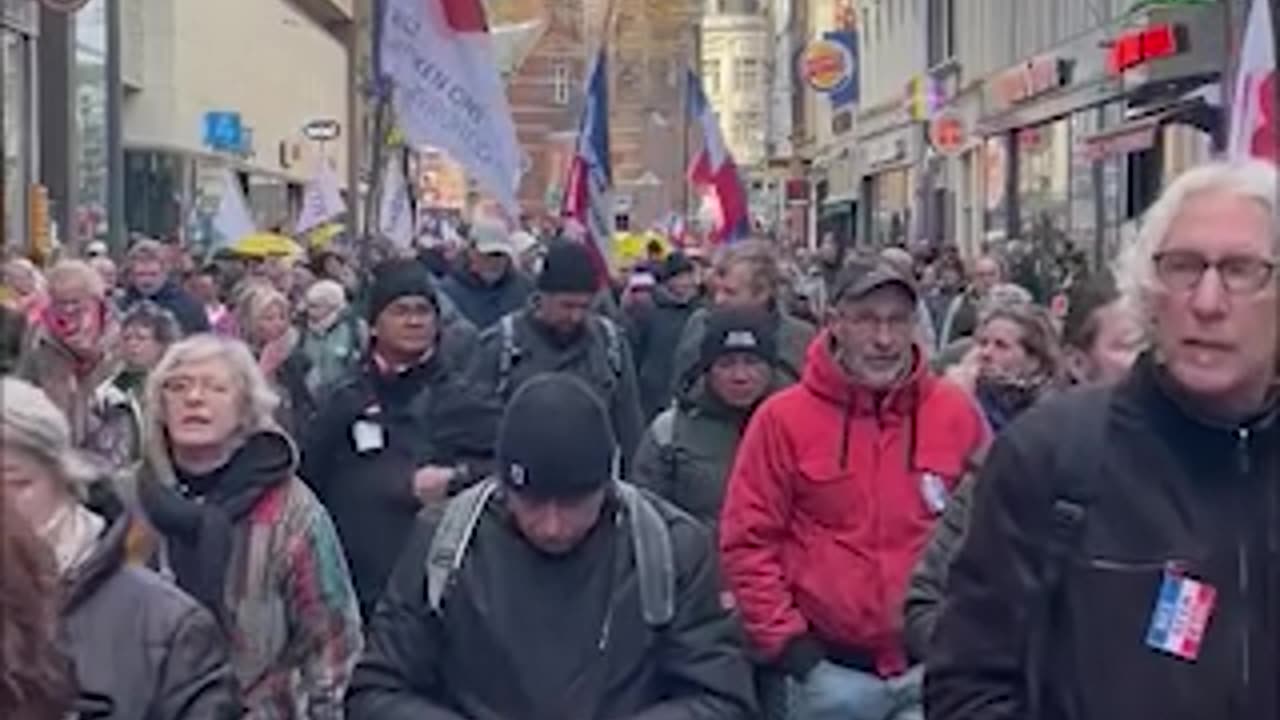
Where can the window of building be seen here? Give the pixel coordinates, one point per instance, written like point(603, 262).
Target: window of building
point(941, 23)
point(711, 75)
point(746, 74)
point(560, 83)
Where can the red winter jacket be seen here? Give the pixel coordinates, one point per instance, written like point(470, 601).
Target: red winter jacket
point(827, 507)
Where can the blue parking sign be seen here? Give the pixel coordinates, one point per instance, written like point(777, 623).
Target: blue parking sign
point(223, 131)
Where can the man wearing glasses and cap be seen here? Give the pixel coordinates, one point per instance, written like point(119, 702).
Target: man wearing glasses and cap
point(837, 485)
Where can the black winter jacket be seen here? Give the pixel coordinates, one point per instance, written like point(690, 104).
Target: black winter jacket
point(482, 304)
point(655, 329)
point(530, 636)
point(140, 645)
point(185, 308)
point(427, 416)
point(1173, 496)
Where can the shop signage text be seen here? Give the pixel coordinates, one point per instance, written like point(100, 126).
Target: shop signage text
point(1140, 47)
point(1037, 76)
point(887, 152)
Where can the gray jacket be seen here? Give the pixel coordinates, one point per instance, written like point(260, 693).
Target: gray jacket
point(925, 594)
point(140, 646)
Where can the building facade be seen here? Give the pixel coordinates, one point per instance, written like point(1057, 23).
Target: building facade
point(1068, 118)
point(232, 84)
point(19, 33)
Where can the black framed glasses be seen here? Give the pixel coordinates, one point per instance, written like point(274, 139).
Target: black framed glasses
point(1182, 270)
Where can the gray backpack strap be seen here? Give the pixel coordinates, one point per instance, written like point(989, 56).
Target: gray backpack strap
point(452, 536)
point(507, 352)
point(664, 428)
point(655, 559)
point(613, 345)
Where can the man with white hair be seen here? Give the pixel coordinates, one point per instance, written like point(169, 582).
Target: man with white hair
point(488, 285)
point(1121, 557)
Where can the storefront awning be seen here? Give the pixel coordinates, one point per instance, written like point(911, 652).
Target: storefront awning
point(1129, 138)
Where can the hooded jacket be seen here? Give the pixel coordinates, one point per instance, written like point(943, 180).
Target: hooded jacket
point(522, 634)
point(655, 330)
point(141, 645)
point(286, 596)
point(1173, 496)
point(425, 416)
point(794, 337)
point(186, 309)
point(483, 304)
point(833, 495)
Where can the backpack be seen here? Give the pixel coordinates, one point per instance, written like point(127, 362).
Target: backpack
point(650, 536)
point(1076, 480)
point(510, 351)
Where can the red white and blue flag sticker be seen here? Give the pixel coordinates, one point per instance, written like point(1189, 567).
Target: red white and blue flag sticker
point(1183, 610)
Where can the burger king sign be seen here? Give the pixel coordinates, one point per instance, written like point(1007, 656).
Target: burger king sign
point(830, 66)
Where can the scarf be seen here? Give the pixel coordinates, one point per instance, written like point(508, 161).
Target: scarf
point(1005, 397)
point(72, 533)
point(197, 516)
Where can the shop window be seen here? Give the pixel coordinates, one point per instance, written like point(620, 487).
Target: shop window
point(1143, 181)
point(940, 19)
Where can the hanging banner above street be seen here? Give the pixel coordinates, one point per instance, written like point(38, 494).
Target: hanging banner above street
point(447, 91)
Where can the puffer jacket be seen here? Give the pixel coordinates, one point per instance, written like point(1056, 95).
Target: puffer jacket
point(141, 648)
point(833, 495)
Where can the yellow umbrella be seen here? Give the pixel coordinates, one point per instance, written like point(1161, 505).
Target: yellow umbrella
point(322, 237)
point(263, 245)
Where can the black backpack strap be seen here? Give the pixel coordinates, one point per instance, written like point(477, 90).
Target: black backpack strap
point(612, 345)
point(1077, 481)
point(508, 351)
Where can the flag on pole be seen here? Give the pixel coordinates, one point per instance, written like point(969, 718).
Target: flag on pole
point(586, 200)
point(1253, 118)
point(447, 91)
point(395, 214)
point(713, 170)
point(321, 200)
point(232, 220)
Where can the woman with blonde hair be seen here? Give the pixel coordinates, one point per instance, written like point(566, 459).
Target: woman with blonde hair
point(277, 344)
point(243, 535)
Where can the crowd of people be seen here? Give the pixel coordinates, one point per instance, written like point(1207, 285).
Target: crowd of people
point(484, 482)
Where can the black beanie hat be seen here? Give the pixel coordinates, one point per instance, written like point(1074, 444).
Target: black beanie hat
point(568, 268)
point(677, 263)
point(395, 279)
point(738, 330)
point(556, 440)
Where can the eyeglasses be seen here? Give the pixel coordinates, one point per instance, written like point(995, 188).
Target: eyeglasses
point(1182, 271)
point(182, 386)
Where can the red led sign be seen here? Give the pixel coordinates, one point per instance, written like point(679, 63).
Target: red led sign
point(1142, 46)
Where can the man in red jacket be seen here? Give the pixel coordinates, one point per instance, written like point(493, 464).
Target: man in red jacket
point(835, 491)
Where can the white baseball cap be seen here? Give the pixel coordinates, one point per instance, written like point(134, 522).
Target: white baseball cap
point(491, 238)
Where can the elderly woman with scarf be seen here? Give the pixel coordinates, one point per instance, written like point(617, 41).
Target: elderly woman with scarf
point(278, 346)
point(139, 647)
point(68, 353)
point(333, 338)
point(243, 535)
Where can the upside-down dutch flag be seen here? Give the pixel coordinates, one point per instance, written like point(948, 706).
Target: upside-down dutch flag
point(713, 170)
point(586, 199)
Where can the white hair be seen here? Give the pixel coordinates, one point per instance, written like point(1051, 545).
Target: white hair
point(1135, 268)
point(31, 423)
point(326, 292)
point(75, 274)
point(257, 401)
